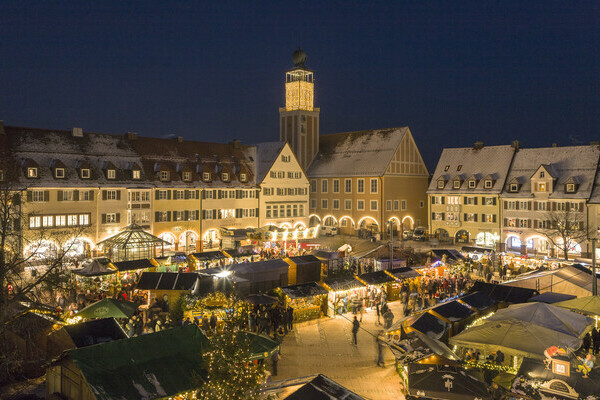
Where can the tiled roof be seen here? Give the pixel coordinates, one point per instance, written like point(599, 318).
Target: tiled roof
point(363, 153)
point(267, 153)
point(488, 162)
point(564, 163)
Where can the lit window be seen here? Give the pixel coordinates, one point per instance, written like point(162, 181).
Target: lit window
point(85, 173)
point(35, 222)
point(136, 174)
point(187, 176)
point(111, 174)
point(32, 172)
point(542, 187)
point(570, 187)
point(84, 219)
point(164, 175)
point(456, 184)
point(487, 184)
point(472, 184)
point(336, 204)
point(348, 204)
point(459, 167)
point(243, 177)
point(206, 176)
point(336, 186)
point(446, 168)
point(225, 176)
point(59, 173)
point(348, 185)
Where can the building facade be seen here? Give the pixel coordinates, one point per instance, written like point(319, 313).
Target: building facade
point(283, 200)
point(358, 180)
point(464, 194)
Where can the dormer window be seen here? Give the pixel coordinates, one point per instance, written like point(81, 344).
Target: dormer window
point(459, 167)
point(85, 173)
point(187, 176)
point(206, 176)
point(472, 184)
point(488, 184)
point(456, 184)
point(111, 174)
point(136, 174)
point(570, 188)
point(542, 174)
point(225, 176)
point(59, 173)
point(164, 175)
point(243, 177)
point(32, 172)
point(441, 184)
point(446, 168)
point(541, 186)
point(514, 187)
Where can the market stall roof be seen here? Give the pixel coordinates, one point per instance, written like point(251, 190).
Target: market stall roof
point(451, 254)
point(326, 255)
point(241, 251)
point(107, 308)
point(130, 265)
point(307, 259)
point(88, 333)
point(430, 325)
point(366, 252)
point(261, 346)
point(304, 290)
point(155, 365)
point(168, 281)
point(376, 278)
point(505, 293)
point(403, 272)
point(444, 382)
point(343, 283)
point(208, 256)
point(514, 337)
point(478, 300)
point(453, 311)
point(548, 316)
point(589, 305)
point(551, 297)
point(323, 388)
point(94, 268)
point(132, 236)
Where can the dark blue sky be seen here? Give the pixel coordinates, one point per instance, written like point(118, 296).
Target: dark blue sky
point(454, 71)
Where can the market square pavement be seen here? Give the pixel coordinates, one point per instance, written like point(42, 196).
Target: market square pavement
point(324, 346)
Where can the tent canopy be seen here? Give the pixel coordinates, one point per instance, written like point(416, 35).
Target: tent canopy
point(155, 365)
point(94, 268)
point(514, 337)
point(551, 297)
point(548, 316)
point(444, 382)
point(430, 325)
point(323, 388)
point(107, 308)
point(453, 311)
point(589, 305)
point(261, 346)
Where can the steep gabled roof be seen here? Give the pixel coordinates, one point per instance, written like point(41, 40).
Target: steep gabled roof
point(578, 162)
point(363, 153)
point(267, 154)
point(486, 161)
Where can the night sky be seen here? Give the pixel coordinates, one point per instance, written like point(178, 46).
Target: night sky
point(455, 71)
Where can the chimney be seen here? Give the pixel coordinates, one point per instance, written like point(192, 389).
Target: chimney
point(77, 132)
point(131, 135)
point(2, 128)
point(593, 143)
point(180, 139)
point(235, 143)
point(478, 146)
point(554, 144)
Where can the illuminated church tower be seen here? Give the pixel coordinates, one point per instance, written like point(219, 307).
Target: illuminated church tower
point(299, 118)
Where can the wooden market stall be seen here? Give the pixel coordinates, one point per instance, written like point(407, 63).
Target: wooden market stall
point(309, 300)
point(304, 269)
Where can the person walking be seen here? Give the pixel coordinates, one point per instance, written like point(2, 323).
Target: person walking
point(355, 328)
point(290, 320)
point(274, 361)
point(596, 340)
point(380, 349)
point(213, 323)
point(378, 312)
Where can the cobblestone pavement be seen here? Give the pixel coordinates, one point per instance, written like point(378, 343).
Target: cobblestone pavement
point(325, 347)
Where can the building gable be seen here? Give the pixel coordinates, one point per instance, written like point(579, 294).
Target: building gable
point(407, 159)
point(278, 164)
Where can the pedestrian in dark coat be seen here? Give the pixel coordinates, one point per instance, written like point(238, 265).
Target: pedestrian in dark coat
point(213, 323)
point(587, 342)
point(378, 313)
point(355, 328)
point(290, 313)
point(596, 340)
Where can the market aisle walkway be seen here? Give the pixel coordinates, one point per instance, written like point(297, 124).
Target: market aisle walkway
point(325, 346)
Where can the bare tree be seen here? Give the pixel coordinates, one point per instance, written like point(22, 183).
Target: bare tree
point(564, 228)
